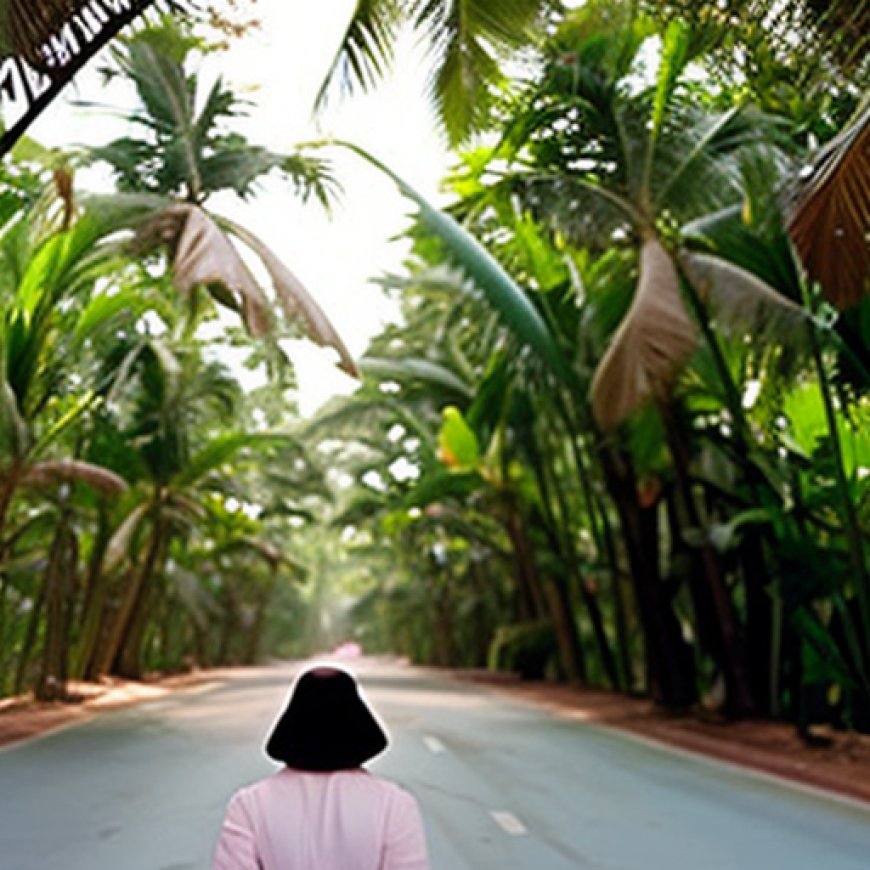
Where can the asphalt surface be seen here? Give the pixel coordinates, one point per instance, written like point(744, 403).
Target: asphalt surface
point(502, 784)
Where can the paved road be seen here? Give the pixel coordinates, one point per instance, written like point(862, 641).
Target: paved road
point(502, 785)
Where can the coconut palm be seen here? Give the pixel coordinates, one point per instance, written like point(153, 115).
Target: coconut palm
point(466, 42)
point(51, 316)
point(170, 407)
point(184, 155)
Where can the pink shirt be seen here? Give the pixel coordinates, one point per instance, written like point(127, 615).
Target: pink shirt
point(345, 820)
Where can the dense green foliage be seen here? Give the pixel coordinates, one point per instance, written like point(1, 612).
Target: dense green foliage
point(621, 436)
point(147, 501)
point(671, 471)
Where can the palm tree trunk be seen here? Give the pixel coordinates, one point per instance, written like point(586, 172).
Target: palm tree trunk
point(567, 638)
point(28, 641)
point(670, 666)
point(854, 535)
point(132, 593)
point(52, 679)
point(556, 601)
point(94, 605)
point(531, 599)
point(621, 677)
point(728, 637)
point(251, 649)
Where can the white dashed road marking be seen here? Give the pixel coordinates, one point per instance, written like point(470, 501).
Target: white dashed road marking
point(434, 745)
point(509, 823)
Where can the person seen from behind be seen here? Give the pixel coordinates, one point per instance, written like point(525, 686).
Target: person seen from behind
point(323, 810)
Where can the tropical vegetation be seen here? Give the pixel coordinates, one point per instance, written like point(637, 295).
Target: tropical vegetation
point(621, 436)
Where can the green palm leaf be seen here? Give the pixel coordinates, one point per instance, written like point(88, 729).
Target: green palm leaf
point(418, 370)
point(466, 40)
point(510, 302)
point(221, 450)
point(366, 48)
point(120, 544)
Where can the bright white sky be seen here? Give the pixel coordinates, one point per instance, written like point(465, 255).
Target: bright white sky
point(280, 69)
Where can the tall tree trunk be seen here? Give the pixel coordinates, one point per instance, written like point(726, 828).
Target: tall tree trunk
point(531, 597)
point(622, 677)
point(620, 606)
point(251, 648)
point(60, 571)
point(94, 605)
point(670, 665)
point(763, 630)
point(29, 641)
point(567, 638)
point(728, 634)
point(132, 594)
point(556, 603)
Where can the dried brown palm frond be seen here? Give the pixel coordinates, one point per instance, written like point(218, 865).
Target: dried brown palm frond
point(741, 300)
point(651, 345)
point(68, 470)
point(296, 301)
point(830, 216)
point(204, 256)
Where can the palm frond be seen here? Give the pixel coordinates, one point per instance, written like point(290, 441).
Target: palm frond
point(295, 300)
point(220, 450)
point(68, 470)
point(651, 345)
point(204, 255)
point(14, 433)
point(511, 303)
point(830, 217)
point(433, 375)
point(740, 299)
point(121, 543)
point(674, 56)
point(461, 84)
point(692, 170)
point(366, 49)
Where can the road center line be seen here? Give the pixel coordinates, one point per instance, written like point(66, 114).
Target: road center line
point(434, 745)
point(509, 823)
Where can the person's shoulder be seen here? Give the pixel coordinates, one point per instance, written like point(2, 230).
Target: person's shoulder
point(252, 789)
point(390, 790)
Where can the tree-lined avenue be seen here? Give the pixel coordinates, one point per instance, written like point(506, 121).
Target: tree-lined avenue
point(501, 784)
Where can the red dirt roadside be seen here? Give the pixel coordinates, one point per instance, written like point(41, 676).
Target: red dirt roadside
point(22, 718)
point(842, 767)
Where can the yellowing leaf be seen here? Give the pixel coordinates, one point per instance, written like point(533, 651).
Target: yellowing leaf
point(457, 443)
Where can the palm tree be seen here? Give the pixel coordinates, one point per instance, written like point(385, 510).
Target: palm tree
point(50, 316)
point(182, 157)
point(466, 41)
